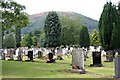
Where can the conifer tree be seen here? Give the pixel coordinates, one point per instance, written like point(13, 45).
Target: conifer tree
point(106, 23)
point(115, 42)
point(84, 37)
point(52, 30)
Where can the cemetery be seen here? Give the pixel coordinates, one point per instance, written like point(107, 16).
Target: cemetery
point(62, 48)
point(71, 67)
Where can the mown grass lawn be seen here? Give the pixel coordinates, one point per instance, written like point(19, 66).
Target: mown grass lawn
point(60, 69)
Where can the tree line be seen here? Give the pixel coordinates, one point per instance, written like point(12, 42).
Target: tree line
point(59, 30)
point(63, 31)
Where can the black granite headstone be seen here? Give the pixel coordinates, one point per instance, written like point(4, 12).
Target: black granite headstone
point(30, 55)
point(96, 59)
point(50, 57)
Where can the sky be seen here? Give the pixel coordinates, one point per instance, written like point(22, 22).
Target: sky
point(89, 8)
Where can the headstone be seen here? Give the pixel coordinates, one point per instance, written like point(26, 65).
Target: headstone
point(19, 53)
point(8, 52)
point(30, 55)
point(96, 59)
point(40, 54)
point(59, 54)
point(117, 67)
point(78, 61)
point(67, 52)
point(19, 56)
point(50, 58)
point(109, 56)
point(3, 56)
point(103, 53)
point(11, 54)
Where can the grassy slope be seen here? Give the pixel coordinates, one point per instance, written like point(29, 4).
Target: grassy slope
point(60, 69)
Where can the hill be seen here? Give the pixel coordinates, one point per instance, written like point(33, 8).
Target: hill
point(37, 21)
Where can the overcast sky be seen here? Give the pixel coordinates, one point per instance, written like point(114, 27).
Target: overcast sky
point(89, 8)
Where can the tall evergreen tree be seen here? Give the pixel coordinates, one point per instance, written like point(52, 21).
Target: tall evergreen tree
point(52, 30)
point(115, 42)
point(84, 37)
point(106, 25)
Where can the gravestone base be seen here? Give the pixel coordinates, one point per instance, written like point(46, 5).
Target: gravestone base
point(108, 61)
point(117, 67)
point(28, 61)
point(10, 59)
point(80, 71)
point(59, 58)
point(96, 65)
point(18, 60)
point(51, 61)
